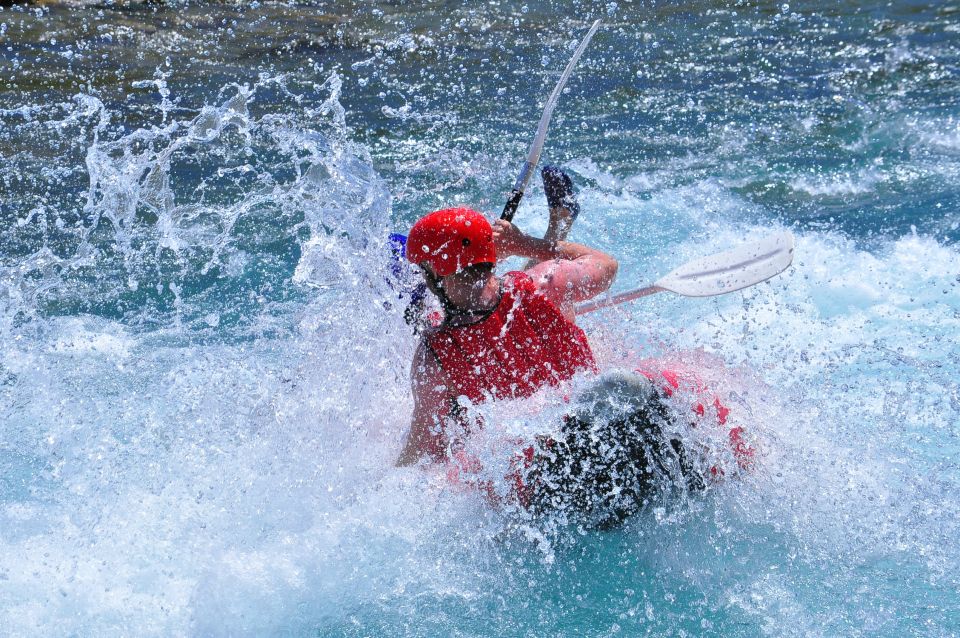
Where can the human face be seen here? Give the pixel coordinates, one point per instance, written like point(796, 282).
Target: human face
point(468, 289)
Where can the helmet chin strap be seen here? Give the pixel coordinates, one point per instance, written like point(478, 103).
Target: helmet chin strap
point(433, 283)
point(450, 309)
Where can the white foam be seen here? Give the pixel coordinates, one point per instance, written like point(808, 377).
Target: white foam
point(247, 487)
point(942, 135)
point(837, 185)
point(86, 336)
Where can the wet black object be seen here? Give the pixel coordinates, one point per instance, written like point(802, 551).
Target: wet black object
point(615, 454)
point(559, 189)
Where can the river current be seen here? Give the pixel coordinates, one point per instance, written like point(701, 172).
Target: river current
point(204, 369)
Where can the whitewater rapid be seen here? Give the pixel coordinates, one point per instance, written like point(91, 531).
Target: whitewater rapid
point(204, 376)
point(181, 484)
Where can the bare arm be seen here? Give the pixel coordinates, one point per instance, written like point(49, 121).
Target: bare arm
point(431, 402)
point(567, 272)
point(561, 220)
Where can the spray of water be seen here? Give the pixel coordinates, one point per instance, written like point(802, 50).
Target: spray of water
point(203, 372)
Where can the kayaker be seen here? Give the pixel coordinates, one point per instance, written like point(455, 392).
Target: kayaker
point(500, 337)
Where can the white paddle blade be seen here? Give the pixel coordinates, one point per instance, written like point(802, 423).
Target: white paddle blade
point(732, 270)
point(536, 146)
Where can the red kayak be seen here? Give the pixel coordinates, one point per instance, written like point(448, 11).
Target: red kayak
point(625, 440)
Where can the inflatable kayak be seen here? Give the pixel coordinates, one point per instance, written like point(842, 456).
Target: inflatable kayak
point(625, 441)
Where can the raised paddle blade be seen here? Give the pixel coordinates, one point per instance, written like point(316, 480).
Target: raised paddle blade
point(536, 146)
point(731, 270)
point(717, 274)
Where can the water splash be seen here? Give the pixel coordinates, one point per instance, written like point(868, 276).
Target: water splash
point(202, 392)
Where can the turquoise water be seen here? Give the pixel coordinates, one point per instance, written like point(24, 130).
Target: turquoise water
point(203, 375)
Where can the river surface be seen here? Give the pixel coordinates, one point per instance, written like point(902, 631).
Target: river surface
point(204, 370)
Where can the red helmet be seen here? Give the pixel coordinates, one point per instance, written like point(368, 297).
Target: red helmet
point(450, 240)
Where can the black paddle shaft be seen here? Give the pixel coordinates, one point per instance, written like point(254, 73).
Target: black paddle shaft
point(510, 209)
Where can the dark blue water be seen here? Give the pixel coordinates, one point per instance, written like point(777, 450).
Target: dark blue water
point(203, 380)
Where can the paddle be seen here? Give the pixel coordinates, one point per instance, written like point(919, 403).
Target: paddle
point(536, 146)
point(729, 271)
point(397, 241)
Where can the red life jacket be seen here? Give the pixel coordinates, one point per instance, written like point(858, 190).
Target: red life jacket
point(523, 345)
